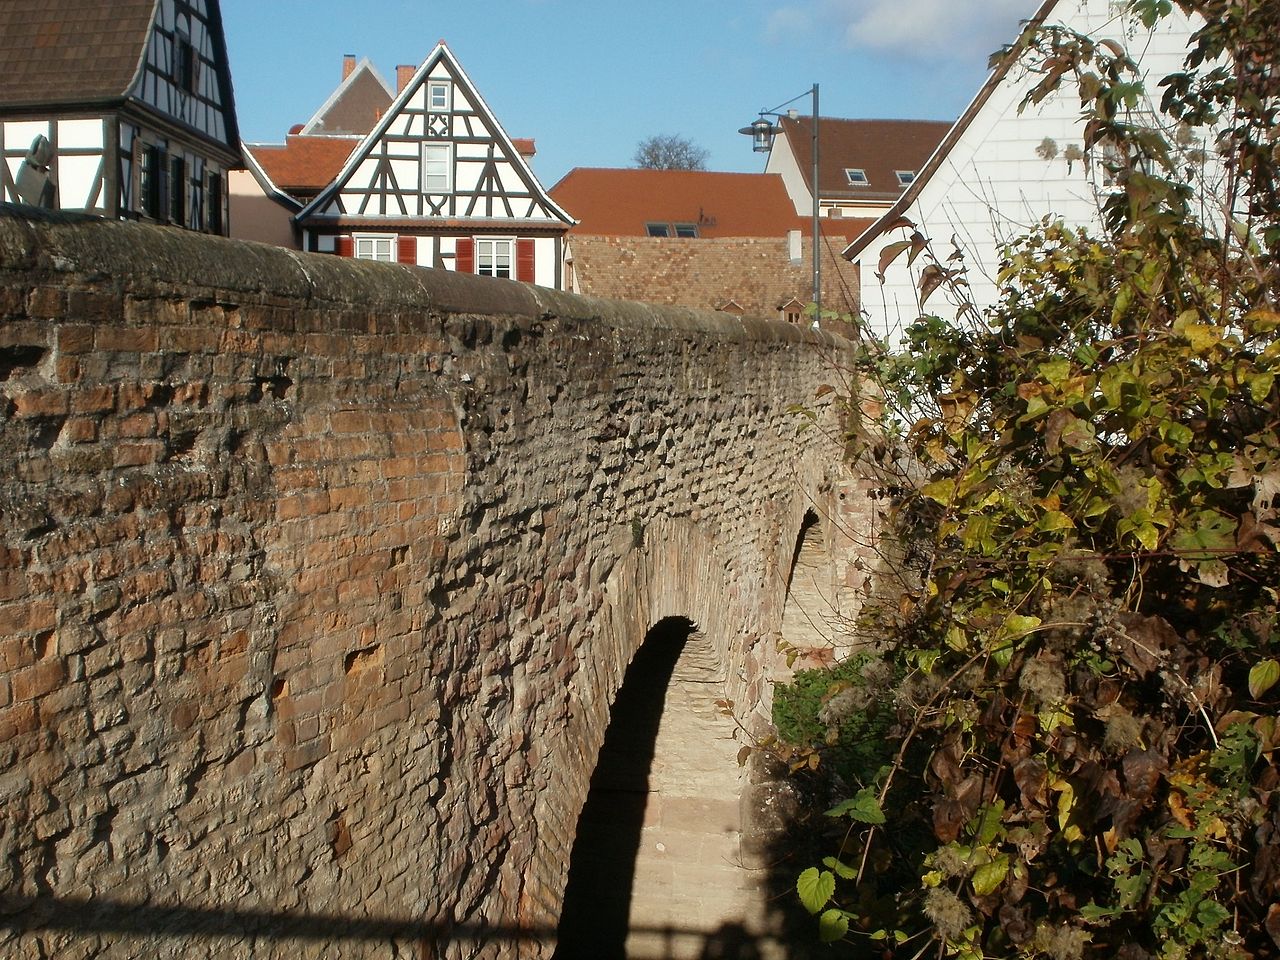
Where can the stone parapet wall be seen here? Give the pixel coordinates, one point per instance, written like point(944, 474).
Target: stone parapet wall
point(318, 577)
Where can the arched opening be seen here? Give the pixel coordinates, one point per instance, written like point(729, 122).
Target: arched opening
point(810, 615)
point(595, 920)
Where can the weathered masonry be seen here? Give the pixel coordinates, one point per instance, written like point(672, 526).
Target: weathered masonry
point(318, 578)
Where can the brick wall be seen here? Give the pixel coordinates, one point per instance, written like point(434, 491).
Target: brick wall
point(317, 579)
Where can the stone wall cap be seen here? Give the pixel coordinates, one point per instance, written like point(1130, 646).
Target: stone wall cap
point(61, 243)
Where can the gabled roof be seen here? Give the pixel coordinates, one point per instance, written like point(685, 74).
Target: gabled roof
point(512, 154)
point(895, 213)
point(355, 105)
point(619, 203)
point(880, 148)
point(302, 164)
point(91, 53)
point(71, 51)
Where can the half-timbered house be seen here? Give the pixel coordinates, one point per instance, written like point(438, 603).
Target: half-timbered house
point(123, 109)
point(438, 182)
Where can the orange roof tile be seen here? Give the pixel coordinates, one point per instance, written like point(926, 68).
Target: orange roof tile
point(303, 163)
point(619, 203)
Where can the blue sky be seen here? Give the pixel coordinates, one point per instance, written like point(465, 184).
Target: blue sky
point(589, 80)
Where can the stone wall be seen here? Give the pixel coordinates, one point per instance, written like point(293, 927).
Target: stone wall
point(317, 579)
point(757, 273)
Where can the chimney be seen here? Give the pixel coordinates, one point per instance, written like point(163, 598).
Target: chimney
point(525, 147)
point(404, 73)
point(348, 65)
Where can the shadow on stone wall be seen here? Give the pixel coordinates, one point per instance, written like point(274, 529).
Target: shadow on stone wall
point(210, 926)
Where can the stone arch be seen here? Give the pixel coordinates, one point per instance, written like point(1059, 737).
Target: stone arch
point(812, 621)
point(600, 889)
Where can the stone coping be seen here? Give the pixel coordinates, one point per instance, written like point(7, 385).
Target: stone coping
point(143, 255)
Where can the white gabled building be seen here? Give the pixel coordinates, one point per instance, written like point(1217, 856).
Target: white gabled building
point(122, 109)
point(438, 182)
point(999, 170)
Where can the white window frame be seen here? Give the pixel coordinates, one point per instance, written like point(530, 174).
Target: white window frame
point(370, 246)
point(444, 155)
point(487, 263)
point(856, 177)
point(439, 85)
point(905, 177)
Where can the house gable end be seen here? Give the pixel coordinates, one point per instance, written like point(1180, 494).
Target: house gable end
point(183, 76)
point(438, 153)
point(357, 104)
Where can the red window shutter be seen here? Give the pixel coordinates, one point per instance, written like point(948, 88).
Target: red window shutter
point(524, 260)
point(465, 260)
point(407, 249)
point(345, 247)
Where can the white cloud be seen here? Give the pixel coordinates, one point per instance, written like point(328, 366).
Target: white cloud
point(787, 22)
point(918, 29)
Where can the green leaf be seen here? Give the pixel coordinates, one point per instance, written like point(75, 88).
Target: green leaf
point(833, 925)
point(1262, 677)
point(989, 876)
point(842, 869)
point(1213, 534)
point(864, 807)
point(815, 888)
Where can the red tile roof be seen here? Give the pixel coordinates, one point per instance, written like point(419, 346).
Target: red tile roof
point(71, 51)
point(618, 203)
point(303, 164)
point(878, 147)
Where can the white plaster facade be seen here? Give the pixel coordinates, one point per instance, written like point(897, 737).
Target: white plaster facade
point(987, 184)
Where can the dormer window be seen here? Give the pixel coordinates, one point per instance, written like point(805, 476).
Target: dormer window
point(856, 176)
point(905, 177)
point(439, 96)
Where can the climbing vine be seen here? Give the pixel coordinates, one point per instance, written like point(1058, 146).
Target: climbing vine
point(1079, 682)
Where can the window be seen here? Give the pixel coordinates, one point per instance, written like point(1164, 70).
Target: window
point(375, 246)
point(671, 229)
point(905, 177)
point(178, 191)
point(152, 197)
point(214, 202)
point(437, 167)
point(493, 258)
point(438, 95)
point(183, 68)
point(856, 176)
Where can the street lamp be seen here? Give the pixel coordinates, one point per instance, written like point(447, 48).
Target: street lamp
point(762, 131)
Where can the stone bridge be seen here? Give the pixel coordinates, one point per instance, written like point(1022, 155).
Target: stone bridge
point(318, 579)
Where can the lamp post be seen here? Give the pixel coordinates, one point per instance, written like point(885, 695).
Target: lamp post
point(762, 132)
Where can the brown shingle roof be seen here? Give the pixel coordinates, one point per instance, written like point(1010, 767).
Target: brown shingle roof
point(879, 147)
point(355, 107)
point(619, 203)
point(303, 164)
point(71, 51)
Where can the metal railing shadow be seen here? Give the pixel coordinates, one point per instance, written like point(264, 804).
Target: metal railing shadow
point(32, 916)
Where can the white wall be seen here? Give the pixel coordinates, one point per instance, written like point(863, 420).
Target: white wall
point(993, 187)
